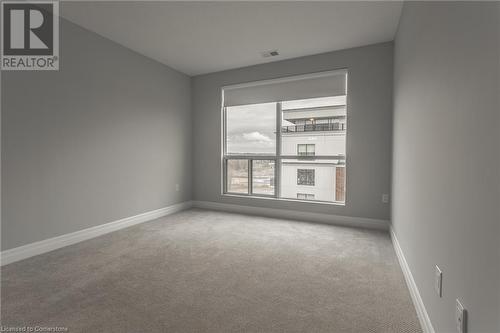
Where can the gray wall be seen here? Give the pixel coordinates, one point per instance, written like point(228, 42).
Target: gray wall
point(106, 137)
point(446, 182)
point(368, 137)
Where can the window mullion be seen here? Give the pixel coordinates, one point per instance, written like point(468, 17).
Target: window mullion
point(223, 159)
point(224, 175)
point(250, 176)
point(277, 164)
point(224, 132)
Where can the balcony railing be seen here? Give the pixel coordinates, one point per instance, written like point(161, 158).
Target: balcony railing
point(313, 128)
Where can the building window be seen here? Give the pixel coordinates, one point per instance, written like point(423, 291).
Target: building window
point(305, 196)
point(305, 177)
point(306, 149)
point(268, 132)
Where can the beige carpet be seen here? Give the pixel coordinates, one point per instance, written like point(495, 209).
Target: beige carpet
point(205, 271)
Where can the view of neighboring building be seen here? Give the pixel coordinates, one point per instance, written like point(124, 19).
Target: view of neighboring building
point(314, 131)
point(292, 149)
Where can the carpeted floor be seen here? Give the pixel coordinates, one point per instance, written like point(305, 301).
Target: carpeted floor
point(205, 271)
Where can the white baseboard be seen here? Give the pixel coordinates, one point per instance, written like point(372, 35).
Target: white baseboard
point(423, 317)
point(46, 245)
point(361, 222)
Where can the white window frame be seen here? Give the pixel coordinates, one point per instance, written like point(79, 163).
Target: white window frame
point(277, 157)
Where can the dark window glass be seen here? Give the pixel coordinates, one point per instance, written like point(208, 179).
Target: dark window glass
point(305, 177)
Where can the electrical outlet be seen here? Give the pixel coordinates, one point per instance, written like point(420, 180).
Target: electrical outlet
point(438, 282)
point(461, 318)
point(385, 198)
point(177, 187)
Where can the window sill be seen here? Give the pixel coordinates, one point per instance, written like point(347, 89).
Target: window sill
point(231, 195)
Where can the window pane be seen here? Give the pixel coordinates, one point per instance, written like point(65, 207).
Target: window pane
point(251, 129)
point(319, 123)
point(313, 179)
point(263, 177)
point(237, 176)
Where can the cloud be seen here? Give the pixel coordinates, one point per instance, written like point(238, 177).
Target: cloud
point(256, 136)
point(252, 142)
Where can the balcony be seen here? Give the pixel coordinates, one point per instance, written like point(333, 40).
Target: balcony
point(332, 127)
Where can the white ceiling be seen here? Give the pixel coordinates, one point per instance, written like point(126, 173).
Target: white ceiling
point(204, 37)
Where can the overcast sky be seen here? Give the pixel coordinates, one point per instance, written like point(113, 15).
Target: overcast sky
point(251, 129)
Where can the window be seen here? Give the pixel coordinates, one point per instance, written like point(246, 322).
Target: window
point(305, 177)
point(237, 176)
point(305, 196)
point(279, 143)
point(306, 150)
point(263, 177)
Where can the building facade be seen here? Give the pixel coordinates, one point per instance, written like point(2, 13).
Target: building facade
point(317, 136)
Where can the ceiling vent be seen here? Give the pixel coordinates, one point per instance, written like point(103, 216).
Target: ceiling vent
point(272, 53)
